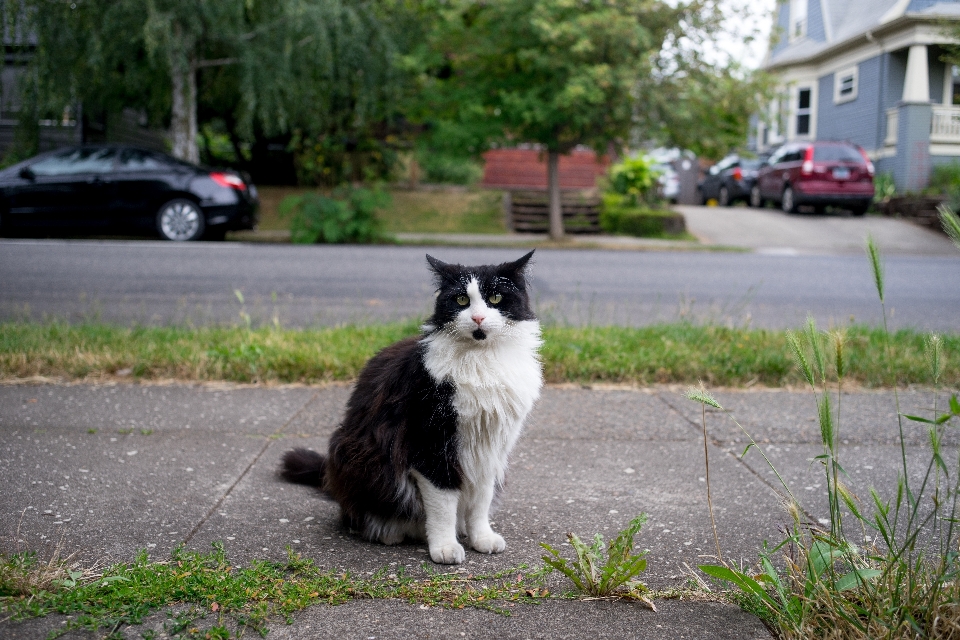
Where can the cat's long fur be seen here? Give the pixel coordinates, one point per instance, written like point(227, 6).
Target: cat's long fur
point(424, 444)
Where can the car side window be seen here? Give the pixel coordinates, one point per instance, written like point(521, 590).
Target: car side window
point(74, 161)
point(138, 160)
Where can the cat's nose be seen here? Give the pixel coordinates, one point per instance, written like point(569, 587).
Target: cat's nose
point(478, 318)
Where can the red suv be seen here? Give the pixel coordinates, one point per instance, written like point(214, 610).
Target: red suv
point(817, 174)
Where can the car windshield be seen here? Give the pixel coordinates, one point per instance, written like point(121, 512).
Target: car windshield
point(71, 161)
point(836, 153)
point(750, 164)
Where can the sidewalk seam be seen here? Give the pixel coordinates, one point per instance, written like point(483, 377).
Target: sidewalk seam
point(718, 444)
point(243, 474)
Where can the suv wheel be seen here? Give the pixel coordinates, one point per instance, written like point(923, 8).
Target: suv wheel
point(723, 198)
point(756, 200)
point(860, 209)
point(787, 201)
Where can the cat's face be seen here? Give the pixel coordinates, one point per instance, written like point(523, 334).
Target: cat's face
point(476, 303)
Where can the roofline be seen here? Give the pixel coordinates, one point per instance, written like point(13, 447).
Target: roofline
point(867, 36)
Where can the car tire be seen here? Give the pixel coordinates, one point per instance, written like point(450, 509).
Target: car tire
point(180, 220)
point(756, 200)
point(723, 198)
point(788, 203)
point(702, 199)
point(859, 209)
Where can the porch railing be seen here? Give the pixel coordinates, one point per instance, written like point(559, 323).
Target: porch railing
point(945, 125)
point(893, 121)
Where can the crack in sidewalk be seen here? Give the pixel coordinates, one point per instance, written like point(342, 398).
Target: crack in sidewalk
point(266, 445)
point(730, 452)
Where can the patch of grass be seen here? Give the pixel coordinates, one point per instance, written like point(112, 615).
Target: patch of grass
point(454, 210)
point(205, 586)
point(445, 211)
point(673, 353)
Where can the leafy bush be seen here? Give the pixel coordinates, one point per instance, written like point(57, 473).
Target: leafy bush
point(883, 188)
point(591, 573)
point(449, 169)
point(617, 216)
point(635, 179)
point(327, 161)
point(347, 215)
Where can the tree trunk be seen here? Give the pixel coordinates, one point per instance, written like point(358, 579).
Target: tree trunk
point(553, 190)
point(183, 121)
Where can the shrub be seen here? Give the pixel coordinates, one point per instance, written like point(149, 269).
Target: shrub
point(635, 179)
point(618, 217)
point(449, 169)
point(347, 215)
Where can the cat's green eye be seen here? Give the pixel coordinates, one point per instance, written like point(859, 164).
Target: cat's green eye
point(495, 298)
point(463, 301)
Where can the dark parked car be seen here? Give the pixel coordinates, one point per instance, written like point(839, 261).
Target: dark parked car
point(729, 180)
point(820, 174)
point(118, 189)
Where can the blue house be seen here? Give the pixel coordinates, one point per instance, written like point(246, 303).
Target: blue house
point(870, 72)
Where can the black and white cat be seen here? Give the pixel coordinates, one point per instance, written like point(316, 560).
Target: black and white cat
point(423, 446)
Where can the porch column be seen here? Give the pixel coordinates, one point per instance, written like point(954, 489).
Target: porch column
point(911, 166)
point(916, 86)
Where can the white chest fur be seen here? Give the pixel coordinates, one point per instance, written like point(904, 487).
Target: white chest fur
point(497, 382)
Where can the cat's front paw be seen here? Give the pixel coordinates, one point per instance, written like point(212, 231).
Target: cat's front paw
point(447, 553)
point(488, 543)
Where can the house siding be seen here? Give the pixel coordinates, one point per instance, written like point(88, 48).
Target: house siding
point(782, 29)
point(857, 120)
point(920, 5)
point(815, 27)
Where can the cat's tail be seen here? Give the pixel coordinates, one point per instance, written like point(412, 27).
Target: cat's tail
point(303, 466)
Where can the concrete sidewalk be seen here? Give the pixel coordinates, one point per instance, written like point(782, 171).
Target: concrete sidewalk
point(115, 469)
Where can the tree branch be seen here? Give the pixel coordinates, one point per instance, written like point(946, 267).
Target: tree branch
point(218, 62)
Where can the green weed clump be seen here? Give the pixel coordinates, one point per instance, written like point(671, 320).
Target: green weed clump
point(822, 582)
point(595, 575)
point(226, 600)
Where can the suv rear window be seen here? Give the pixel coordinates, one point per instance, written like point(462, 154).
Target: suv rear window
point(836, 153)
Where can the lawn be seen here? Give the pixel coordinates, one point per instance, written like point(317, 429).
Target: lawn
point(439, 210)
point(669, 353)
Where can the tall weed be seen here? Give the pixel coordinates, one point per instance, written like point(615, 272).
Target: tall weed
point(818, 581)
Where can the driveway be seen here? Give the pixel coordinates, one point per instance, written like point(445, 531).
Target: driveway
point(772, 231)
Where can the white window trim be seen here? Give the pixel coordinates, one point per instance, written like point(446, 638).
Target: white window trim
point(794, 112)
point(838, 76)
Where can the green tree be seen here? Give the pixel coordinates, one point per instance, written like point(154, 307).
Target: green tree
point(320, 65)
point(555, 72)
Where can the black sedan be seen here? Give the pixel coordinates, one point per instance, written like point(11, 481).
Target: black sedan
point(105, 189)
point(729, 180)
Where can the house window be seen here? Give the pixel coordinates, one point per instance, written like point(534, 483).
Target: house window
point(798, 19)
point(803, 112)
point(845, 85)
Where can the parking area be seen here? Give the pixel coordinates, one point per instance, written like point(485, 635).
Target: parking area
point(771, 230)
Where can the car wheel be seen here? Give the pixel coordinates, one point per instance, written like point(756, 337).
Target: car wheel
point(701, 198)
point(787, 202)
point(756, 200)
point(723, 199)
point(180, 220)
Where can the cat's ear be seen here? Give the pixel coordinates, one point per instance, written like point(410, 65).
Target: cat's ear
point(444, 272)
point(515, 270)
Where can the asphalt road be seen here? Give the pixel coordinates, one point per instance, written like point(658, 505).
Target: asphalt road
point(164, 283)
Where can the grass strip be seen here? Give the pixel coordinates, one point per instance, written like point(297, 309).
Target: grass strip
point(214, 599)
point(669, 353)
